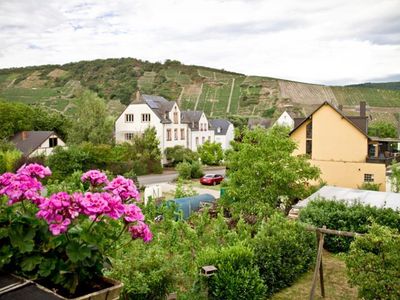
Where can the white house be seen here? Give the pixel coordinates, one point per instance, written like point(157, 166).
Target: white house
point(199, 129)
point(174, 127)
point(35, 143)
point(224, 132)
point(152, 111)
point(285, 120)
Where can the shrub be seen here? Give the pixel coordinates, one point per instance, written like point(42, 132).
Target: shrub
point(370, 186)
point(237, 277)
point(284, 250)
point(8, 160)
point(145, 272)
point(179, 154)
point(211, 153)
point(182, 191)
point(341, 216)
point(184, 170)
point(188, 170)
point(373, 263)
point(197, 170)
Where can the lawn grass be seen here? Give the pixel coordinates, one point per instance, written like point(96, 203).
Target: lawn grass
point(196, 183)
point(335, 279)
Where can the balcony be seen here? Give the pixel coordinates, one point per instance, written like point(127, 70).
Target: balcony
point(383, 151)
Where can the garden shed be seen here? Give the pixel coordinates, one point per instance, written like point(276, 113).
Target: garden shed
point(351, 196)
point(186, 206)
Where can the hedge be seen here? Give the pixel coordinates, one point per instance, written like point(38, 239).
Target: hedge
point(341, 216)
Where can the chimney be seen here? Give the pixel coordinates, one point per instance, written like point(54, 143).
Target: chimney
point(363, 109)
point(24, 135)
point(340, 107)
point(137, 95)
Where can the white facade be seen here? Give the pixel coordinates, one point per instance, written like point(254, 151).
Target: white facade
point(189, 129)
point(200, 136)
point(47, 147)
point(137, 117)
point(285, 120)
point(225, 139)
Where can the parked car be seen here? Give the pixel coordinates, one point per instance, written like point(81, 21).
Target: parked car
point(211, 179)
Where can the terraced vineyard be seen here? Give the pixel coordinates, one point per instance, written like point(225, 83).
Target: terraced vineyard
point(219, 93)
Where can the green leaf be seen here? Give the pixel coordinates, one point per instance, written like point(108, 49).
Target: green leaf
point(5, 255)
point(77, 252)
point(29, 263)
point(22, 237)
point(46, 267)
point(3, 233)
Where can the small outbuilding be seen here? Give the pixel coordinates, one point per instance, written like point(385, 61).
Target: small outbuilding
point(35, 143)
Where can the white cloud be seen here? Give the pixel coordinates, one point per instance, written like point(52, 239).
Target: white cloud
point(312, 41)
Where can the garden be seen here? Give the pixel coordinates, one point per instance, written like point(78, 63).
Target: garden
point(68, 228)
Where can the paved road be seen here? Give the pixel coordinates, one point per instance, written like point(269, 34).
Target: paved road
point(169, 176)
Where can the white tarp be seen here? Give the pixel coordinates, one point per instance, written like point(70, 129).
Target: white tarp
point(372, 198)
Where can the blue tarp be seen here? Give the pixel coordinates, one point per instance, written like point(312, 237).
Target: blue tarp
point(186, 206)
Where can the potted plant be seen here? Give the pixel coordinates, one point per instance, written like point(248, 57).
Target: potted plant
point(63, 241)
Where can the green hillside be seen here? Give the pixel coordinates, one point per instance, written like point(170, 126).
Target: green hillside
point(218, 92)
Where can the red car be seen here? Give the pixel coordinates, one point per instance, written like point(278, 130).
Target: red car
point(211, 179)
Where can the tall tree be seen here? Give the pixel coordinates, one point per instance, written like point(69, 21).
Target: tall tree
point(93, 123)
point(383, 129)
point(262, 170)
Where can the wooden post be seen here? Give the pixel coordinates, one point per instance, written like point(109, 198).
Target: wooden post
point(321, 270)
point(320, 239)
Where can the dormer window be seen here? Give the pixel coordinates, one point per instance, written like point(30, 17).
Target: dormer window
point(219, 130)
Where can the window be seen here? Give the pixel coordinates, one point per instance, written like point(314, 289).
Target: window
point(209, 138)
point(128, 136)
point(169, 135)
point(182, 134)
point(309, 147)
point(175, 134)
point(368, 177)
point(128, 118)
point(203, 139)
point(145, 117)
point(309, 139)
point(175, 117)
point(197, 141)
point(53, 142)
point(205, 126)
point(309, 131)
point(219, 129)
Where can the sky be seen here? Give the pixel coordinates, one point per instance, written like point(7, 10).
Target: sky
point(318, 41)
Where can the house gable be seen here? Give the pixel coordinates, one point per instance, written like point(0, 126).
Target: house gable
point(334, 137)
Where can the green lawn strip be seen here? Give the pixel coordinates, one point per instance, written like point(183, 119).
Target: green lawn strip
point(335, 280)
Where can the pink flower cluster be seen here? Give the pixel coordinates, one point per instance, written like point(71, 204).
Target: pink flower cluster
point(61, 209)
point(95, 177)
point(124, 188)
point(24, 184)
point(58, 211)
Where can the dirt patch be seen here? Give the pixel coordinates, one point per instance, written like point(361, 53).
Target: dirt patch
point(57, 73)
point(32, 81)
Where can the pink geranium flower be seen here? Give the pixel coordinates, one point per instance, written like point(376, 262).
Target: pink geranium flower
point(95, 177)
point(94, 204)
point(124, 188)
point(142, 231)
point(133, 213)
point(35, 170)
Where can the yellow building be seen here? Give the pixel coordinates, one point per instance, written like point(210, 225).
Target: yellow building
point(340, 147)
